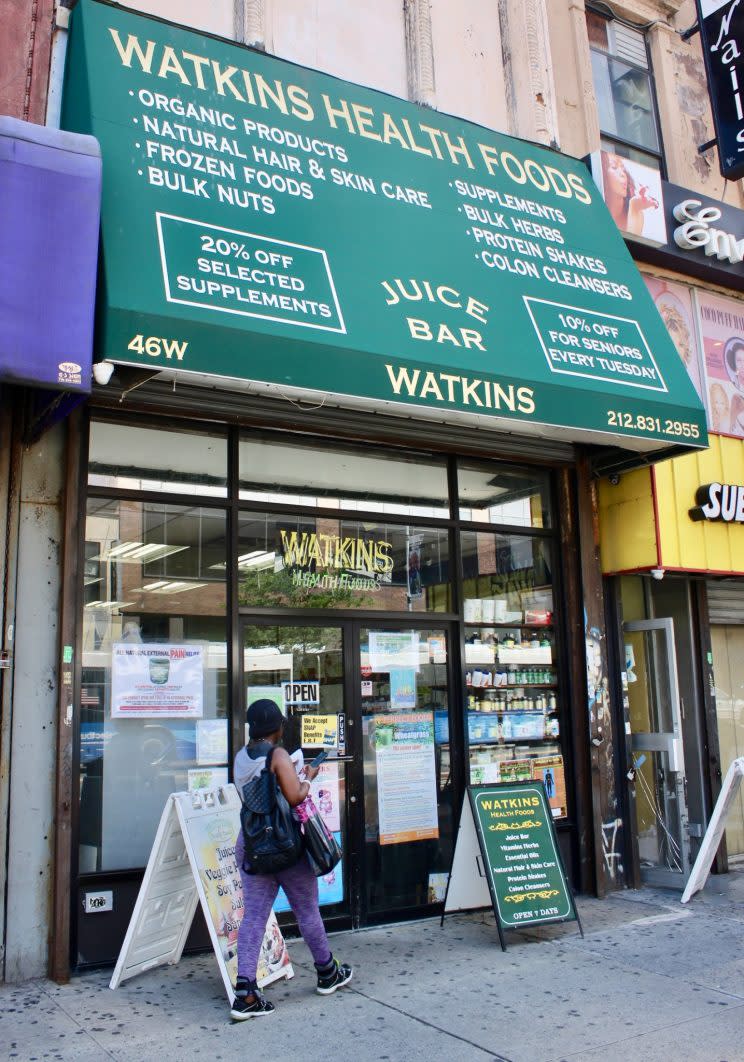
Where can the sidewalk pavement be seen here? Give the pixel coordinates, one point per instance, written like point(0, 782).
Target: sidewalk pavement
point(651, 982)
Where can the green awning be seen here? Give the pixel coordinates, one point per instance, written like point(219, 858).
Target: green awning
point(264, 222)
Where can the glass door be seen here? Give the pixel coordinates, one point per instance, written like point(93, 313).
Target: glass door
point(407, 780)
point(301, 668)
point(386, 789)
point(658, 760)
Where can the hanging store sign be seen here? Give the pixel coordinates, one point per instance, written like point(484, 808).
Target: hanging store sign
point(722, 39)
point(265, 222)
point(719, 501)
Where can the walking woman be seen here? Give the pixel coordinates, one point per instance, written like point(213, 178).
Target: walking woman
point(266, 724)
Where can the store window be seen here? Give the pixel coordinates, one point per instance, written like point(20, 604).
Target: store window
point(624, 90)
point(504, 494)
point(328, 562)
point(132, 457)
point(300, 472)
point(153, 717)
point(514, 704)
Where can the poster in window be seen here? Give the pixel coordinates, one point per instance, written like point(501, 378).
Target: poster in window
point(324, 790)
point(722, 328)
point(406, 777)
point(674, 303)
point(549, 771)
point(153, 681)
point(402, 688)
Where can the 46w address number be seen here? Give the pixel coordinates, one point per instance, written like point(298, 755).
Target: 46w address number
point(158, 346)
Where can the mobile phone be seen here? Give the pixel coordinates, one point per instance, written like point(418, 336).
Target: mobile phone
point(322, 755)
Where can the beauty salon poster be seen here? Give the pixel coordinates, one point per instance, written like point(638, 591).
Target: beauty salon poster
point(674, 303)
point(722, 327)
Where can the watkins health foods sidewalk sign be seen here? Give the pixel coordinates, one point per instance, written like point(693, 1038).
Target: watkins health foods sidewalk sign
point(266, 222)
point(507, 855)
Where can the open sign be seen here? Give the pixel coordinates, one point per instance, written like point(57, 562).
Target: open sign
point(301, 692)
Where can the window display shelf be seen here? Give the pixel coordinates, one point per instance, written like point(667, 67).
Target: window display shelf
point(511, 743)
point(516, 686)
point(514, 625)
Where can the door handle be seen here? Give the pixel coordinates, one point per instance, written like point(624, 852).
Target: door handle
point(352, 800)
point(340, 759)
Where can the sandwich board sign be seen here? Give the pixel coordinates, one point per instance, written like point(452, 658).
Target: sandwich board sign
point(193, 861)
point(714, 833)
point(507, 857)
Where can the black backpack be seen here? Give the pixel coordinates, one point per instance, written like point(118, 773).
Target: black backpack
point(271, 834)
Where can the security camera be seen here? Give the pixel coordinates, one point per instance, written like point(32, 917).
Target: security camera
point(657, 573)
point(103, 371)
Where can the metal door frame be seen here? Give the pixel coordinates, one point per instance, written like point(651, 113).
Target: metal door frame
point(672, 744)
point(357, 914)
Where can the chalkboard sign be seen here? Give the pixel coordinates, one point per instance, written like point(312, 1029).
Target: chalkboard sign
point(520, 862)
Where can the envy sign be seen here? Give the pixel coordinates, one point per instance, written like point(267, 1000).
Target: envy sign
point(719, 501)
point(696, 232)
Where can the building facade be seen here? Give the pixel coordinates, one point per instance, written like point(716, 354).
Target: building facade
point(284, 487)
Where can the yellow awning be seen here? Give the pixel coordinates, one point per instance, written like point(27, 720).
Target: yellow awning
point(645, 518)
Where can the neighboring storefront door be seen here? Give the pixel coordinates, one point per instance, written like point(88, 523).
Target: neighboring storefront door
point(376, 697)
point(658, 755)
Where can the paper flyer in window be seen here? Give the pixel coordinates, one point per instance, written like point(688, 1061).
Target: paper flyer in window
point(406, 777)
point(153, 681)
point(319, 732)
point(211, 741)
point(391, 649)
point(549, 771)
point(402, 688)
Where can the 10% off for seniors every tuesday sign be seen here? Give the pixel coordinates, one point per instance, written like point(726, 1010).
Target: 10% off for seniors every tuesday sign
point(267, 222)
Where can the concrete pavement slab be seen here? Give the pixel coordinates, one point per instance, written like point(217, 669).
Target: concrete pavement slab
point(651, 981)
point(716, 1039)
point(559, 998)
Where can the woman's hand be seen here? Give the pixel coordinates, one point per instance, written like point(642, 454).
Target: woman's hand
point(311, 772)
point(294, 789)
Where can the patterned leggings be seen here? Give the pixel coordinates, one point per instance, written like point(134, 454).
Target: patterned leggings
point(259, 893)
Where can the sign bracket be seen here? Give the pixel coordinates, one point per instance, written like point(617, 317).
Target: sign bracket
point(702, 148)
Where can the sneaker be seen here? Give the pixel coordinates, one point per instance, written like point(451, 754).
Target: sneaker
point(339, 976)
point(241, 1010)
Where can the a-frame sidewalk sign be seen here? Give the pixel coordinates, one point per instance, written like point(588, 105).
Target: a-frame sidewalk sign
point(507, 857)
point(193, 861)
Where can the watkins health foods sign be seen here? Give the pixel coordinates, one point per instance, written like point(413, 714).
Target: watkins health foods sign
point(266, 222)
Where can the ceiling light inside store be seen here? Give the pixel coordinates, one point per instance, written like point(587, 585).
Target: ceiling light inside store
point(140, 551)
point(257, 559)
point(167, 586)
point(108, 606)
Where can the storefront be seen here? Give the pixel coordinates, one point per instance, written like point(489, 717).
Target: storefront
point(671, 537)
point(362, 357)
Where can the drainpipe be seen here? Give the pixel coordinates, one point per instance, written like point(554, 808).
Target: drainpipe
point(57, 66)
